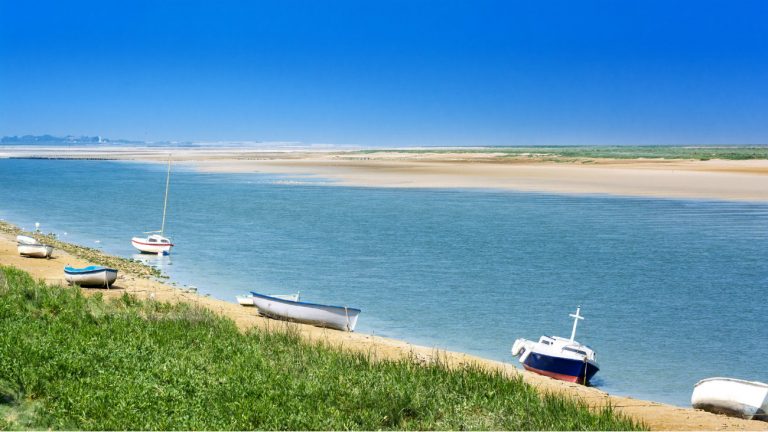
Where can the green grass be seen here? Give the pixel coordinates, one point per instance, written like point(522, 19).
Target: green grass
point(612, 152)
point(68, 361)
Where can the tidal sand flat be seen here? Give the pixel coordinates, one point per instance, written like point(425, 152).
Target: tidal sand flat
point(720, 179)
point(727, 173)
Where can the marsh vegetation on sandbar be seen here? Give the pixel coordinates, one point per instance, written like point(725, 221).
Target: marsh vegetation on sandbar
point(607, 152)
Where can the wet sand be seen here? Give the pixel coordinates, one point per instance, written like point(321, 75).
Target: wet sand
point(655, 415)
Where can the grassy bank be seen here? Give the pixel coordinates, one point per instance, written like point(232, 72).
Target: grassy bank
point(611, 152)
point(68, 361)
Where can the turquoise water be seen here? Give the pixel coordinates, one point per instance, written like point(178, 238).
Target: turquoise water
point(672, 290)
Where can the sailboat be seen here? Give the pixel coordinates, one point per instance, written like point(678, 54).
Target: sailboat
point(156, 242)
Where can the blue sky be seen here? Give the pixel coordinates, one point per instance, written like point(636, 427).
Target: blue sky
point(388, 73)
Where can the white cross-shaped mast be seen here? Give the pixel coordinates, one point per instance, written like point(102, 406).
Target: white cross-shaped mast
point(576, 319)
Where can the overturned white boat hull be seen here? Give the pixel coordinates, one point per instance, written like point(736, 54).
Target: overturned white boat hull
point(733, 397)
point(35, 250)
point(336, 317)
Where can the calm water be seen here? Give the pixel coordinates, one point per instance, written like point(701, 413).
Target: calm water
point(673, 290)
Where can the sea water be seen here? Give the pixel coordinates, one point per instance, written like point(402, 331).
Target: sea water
point(673, 291)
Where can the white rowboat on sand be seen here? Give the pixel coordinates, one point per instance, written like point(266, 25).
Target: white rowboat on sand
point(35, 250)
point(733, 397)
point(336, 317)
point(91, 276)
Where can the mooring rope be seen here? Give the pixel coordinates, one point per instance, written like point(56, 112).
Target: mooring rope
point(346, 312)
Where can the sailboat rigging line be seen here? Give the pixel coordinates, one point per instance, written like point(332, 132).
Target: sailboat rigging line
point(165, 201)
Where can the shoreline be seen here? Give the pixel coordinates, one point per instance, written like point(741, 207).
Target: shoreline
point(655, 415)
point(716, 179)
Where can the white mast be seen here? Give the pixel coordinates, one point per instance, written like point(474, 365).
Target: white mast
point(576, 319)
point(165, 202)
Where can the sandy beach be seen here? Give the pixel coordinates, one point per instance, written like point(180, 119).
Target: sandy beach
point(656, 415)
point(743, 180)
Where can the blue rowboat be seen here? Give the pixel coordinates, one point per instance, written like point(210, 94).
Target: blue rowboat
point(336, 317)
point(91, 276)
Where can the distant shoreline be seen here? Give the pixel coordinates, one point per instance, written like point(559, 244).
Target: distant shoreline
point(712, 179)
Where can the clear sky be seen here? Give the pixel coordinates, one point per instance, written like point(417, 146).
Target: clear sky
point(388, 73)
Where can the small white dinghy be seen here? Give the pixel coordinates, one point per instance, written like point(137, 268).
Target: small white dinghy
point(22, 239)
point(247, 300)
point(335, 317)
point(35, 250)
point(733, 397)
point(91, 276)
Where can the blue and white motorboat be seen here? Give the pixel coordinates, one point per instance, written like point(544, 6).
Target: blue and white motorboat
point(91, 276)
point(557, 357)
point(336, 317)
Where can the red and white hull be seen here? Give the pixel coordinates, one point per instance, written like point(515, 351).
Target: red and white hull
point(146, 245)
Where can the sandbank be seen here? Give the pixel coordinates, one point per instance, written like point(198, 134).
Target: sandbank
point(725, 180)
point(655, 415)
point(738, 180)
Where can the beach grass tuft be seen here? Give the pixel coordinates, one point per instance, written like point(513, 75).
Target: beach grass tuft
point(69, 361)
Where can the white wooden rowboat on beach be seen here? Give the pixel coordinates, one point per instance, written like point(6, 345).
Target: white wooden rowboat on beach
point(91, 276)
point(733, 397)
point(35, 250)
point(336, 317)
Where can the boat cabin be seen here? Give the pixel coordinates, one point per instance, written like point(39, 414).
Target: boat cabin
point(565, 348)
point(155, 238)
